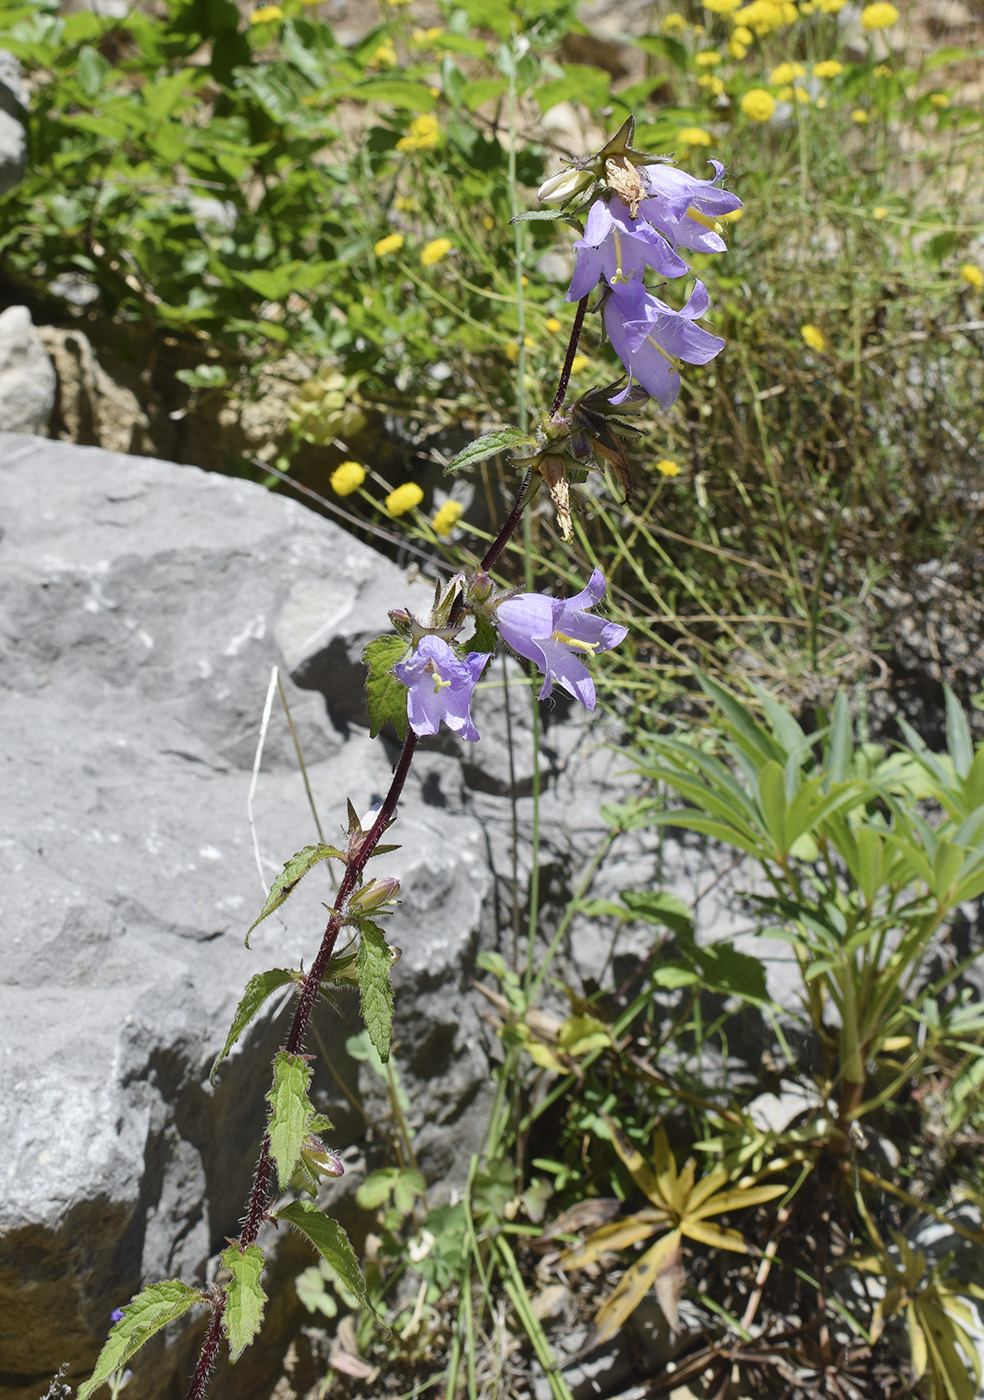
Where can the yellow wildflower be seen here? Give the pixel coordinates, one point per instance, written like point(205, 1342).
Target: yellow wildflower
point(405, 203)
point(673, 23)
point(423, 134)
point(785, 73)
point(881, 70)
point(763, 16)
point(695, 136)
point(714, 84)
point(822, 103)
point(879, 15)
point(814, 338)
point(737, 50)
point(384, 56)
point(437, 249)
point(859, 115)
point(392, 243)
point(666, 467)
point(347, 478)
point(721, 7)
point(404, 498)
point(741, 35)
point(707, 58)
point(758, 105)
point(939, 99)
point(879, 212)
point(829, 68)
point(578, 363)
point(488, 223)
point(449, 515)
point(265, 14)
point(553, 325)
point(426, 36)
point(801, 95)
point(972, 275)
point(831, 7)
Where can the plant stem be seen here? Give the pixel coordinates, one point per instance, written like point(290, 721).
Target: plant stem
point(565, 373)
point(209, 1351)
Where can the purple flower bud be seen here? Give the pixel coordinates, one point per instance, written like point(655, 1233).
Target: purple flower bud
point(554, 633)
point(116, 1315)
point(440, 685)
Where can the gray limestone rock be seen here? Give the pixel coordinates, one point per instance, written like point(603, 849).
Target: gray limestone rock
point(27, 377)
point(13, 138)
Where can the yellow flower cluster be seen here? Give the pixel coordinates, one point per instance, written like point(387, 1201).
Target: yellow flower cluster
point(829, 68)
point(404, 498)
point(972, 275)
point(814, 337)
point(786, 72)
point(764, 16)
point(666, 467)
point(694, 136)
point(448, 516)
point(383, 56)
point(758, 105)
point(392, 243)
point(721, 7)
point(347, 478)
point(673, 23)
point(265, 14)
point(879, 16)
point(423, 134)
point(437, 249)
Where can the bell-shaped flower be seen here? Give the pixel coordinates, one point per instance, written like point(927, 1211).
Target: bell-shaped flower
point(685, 209)
point(555, 633)
point(440, 683)
point(649, 337)
point(618, 247)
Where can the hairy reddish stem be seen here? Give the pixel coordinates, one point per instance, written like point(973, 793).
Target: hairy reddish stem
point(565, 373)
point(209, 1351)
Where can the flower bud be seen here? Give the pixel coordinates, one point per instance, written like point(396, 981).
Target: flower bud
point(565, 185)
point(374, 894)
point(319, 1161)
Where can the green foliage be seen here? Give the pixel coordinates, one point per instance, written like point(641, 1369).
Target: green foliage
point(146, 1314)
point(245, 1298)
point(258, 989)
point(375, 958)
point(290, 877)
point(387, 696)
point(331, 1242)
point(291, 1113)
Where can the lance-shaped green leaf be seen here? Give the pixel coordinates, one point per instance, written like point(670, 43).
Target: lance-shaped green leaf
point(387, 696)
point(290, 1113)
point(258, 988)
point(244, 1297)
point(375, 990)
point(535, 216)
point(290, 877)
point(149, 1311)
point(331, 1242)
point(490, 445)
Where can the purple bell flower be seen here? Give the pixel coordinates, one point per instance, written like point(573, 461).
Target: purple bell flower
point(648, 337)
point(618, 247)
point(440, 684)
point(684, 208)
point(554, 633)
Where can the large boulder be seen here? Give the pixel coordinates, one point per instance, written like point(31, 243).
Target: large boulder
point(143, 608)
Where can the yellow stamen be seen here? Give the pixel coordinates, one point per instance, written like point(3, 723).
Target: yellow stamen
point(699, 218)
point(439, 681)
point(668, 358)
point(619, 274)
point(573, 642)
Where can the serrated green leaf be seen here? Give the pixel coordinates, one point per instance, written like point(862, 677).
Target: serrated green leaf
point(244, 1297)
point(490, 445)
point(486, 638)
point(386, 694)
point(148, 1312)
point(290, 1112)
point(331, 1242)
point(258, 988)
point(375, 990)
point(290, 877)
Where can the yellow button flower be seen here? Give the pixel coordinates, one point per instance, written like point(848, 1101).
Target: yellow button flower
point(881, 70)
point(741, 35)
point(859, 115)
point(437, 249)
point(714, 84)
point(695, 136)
point(972, 275)
point(382, 57)
point(553, 325)
point(879, 16)
point(448, 516)
point(879, 212)
point(265, 14)
point(721, 7)
point(423, 134)
point(673, 23)
point(404, 498)
point(392, 243)
point(813, 336)
point(708, 58)
point(939, 99)
point(829, 68)
point(758, 105)
point(347, 478)
point(736, 49)
point(578, 363)
point(785, 73)
point(666, 467)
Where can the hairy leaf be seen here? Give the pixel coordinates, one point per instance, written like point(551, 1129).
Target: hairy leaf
point(244, 1297)
point(490, 445)
point(386, 694)
point(258, 989)
point(149, 1311)
point(376, 993)
point(331, 1242)
point(290, 1113)
point(290, 877)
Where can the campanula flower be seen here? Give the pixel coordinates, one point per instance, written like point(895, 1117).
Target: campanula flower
point(684, 208)
point(440, 684)
point(648, 337)
point(617, 247)
point(555, 633)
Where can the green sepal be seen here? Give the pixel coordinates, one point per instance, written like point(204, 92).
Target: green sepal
point(290, 1113)
point(258, 989)
point(387, 696)
point(293, 872)
point(146, 1314)
point(375, 989)
point(532, 216)
point(331, 1242)
point(490, 445)
point(244, 1297)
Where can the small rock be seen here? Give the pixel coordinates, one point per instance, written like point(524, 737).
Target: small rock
point(27, 376)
